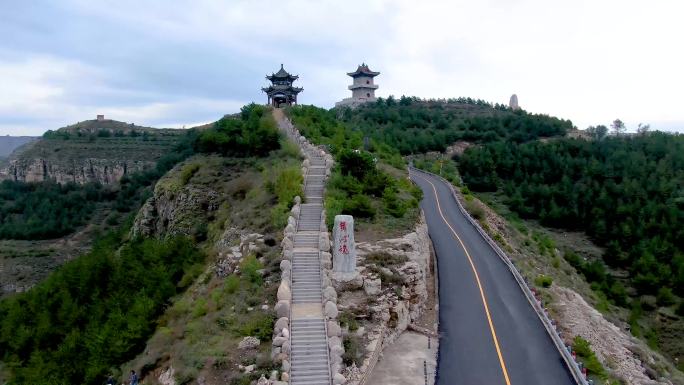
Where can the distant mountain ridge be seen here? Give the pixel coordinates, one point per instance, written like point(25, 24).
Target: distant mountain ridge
point(10, 143)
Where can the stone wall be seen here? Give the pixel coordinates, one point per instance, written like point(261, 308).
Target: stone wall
point(386, 309)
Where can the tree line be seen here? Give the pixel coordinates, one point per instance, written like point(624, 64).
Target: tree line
point(411, 125)
point(627, 193)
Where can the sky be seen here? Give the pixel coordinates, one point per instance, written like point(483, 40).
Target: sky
point(181, 63)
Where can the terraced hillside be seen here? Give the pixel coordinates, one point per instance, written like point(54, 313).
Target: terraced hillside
point(90, 151)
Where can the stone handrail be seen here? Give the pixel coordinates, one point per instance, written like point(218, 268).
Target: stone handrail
point(574, 369)
point(373, 359)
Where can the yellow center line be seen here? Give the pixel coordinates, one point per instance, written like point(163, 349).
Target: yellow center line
point(479, 285)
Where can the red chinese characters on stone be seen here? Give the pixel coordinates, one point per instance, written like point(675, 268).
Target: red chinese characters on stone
point(343, 239)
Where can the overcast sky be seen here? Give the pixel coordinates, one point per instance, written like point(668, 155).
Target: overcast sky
point(172, 63)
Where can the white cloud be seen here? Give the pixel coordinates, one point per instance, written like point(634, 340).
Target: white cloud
point(588, 61)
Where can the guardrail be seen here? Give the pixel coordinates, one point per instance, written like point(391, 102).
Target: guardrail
point(572, 365)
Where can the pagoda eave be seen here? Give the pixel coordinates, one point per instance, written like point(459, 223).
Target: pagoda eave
point(356, 74)
point(363, 86)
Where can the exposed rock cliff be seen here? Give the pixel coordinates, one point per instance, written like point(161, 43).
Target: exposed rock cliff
point(90, 151)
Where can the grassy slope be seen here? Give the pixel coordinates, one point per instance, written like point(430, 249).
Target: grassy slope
point(199, 332)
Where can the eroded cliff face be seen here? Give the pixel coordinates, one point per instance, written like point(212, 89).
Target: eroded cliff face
point(171, 212)
point(105, 171)
point(90, 151)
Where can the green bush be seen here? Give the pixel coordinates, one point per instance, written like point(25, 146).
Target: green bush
point(475, 209)
point(231, 284)
point(353, 350)
point(583, 350)
point(347, 319)
point(359, 206)
point(249, 268)
point(665, 297)
point(187, 172)
point(392, 204)
point(543, 281)
point(356, 163)
point(254, 133)
point(260, 325)
point(385, 259)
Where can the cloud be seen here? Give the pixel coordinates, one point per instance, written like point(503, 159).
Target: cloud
point(161, 63)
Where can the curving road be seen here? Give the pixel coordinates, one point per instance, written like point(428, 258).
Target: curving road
point(489, 332)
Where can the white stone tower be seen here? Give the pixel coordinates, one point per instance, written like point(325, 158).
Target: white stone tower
point(362, 88)
point(513, 103)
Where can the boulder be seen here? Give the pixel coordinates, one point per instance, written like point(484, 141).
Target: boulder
point(331, 310)
point(287, 244)
point(249, 343)
point(326, 260)
point(292, 221)
point(286, 348)
point(338, 379)
point(297, 200)
point(285, 377)
point(281, 324)
point(263, 380)
point(296, 209)
point(287, 254)
point(347, 281)
point(329, 294)
point(286, 333)
point(250, 368)
point(324, 241)
point(334, 329)
point(372, 286)
point(282, 308)
point(290, 230)
point(284, 292)
point(334, 343)
point(285, 265)
point(279, 341)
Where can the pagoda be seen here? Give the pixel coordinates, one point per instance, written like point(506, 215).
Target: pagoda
point(362, 88)
point(281, 92)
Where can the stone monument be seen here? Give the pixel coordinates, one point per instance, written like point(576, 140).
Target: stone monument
point(344, 252)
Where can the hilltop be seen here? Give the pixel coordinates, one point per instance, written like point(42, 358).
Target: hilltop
point(90, 151)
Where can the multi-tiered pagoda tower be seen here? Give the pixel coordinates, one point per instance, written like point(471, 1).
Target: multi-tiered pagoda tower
point(363, 88)
point(281, 92)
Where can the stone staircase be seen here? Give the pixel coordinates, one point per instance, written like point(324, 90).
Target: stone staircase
point(309, 343)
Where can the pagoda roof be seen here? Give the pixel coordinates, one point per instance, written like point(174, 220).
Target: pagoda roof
point(282, 74)
point(363, 70)
point(282, 88)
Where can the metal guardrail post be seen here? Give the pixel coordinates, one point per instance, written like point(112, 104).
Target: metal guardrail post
point(571, 364)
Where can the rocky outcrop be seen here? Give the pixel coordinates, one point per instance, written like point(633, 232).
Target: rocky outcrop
point(105, 171)
point(171, 212)
point(626, 357)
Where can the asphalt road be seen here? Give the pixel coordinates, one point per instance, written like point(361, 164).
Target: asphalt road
point(489, 332)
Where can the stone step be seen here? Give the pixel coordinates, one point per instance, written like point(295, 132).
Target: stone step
point(312, 361)
point(308, 351)
point(312, 369)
